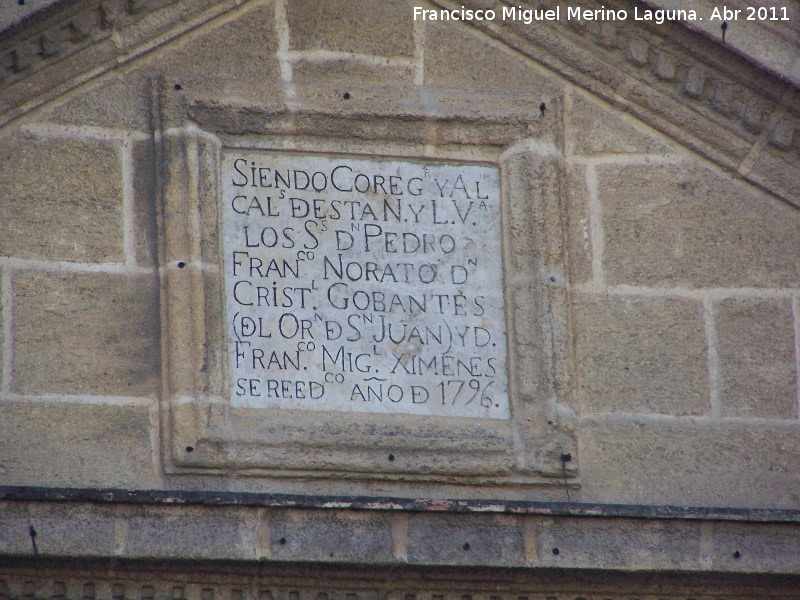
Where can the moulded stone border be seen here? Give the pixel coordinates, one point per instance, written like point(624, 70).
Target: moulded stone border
point(206, 435)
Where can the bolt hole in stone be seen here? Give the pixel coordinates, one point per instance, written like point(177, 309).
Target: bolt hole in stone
point(189, 449)
point(346, 96)
point(391, 457)
point(466, 546)
point(737, 554)
point(21, 2)
point(282, 541)
point(178, 86)
point(181, 264)
point(556, 551)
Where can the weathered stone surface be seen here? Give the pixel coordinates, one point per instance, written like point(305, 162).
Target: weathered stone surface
point(690, 462)
point(749, 546)
point(191, 533)
point(640, 354)
point(75, 445)
point(144, 203)
point(462, 539)
point(119, 102)
point(61, 529)
point(358, 26)
point(684, 225)
point(61, 200)
point(3, 333)
point(778, 171)
point(572, 543)
point(241, 49)
point(349, 72)
point(86, 334)
point(458, 57)
point(335, 537)
point(594, 129)
point(579, 233)
point(757, 358)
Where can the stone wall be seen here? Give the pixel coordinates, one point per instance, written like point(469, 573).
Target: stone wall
point(656, 207)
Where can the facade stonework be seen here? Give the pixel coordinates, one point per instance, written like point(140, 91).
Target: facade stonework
point(636, 266)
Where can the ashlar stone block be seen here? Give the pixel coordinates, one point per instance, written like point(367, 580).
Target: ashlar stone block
point(463, 539)
point(63, 444)
point(358, 26)
point(685, 225)
point(639, 354)
point(327, 536)
point(241, 49)
point(593, 130)
point(61, 200)
point(690, 462)
point(757, 358)
point(579, 229)
point(86, 333)
point(119, 102)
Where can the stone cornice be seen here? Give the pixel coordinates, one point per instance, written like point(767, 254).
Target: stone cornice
point(373, 532)
point(71, 43)
point(774, 45)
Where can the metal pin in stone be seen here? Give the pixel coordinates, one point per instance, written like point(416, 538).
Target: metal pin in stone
point(32, 533)
point(565, 458)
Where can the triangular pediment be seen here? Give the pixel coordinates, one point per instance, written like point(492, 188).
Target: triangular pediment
point(672, 77)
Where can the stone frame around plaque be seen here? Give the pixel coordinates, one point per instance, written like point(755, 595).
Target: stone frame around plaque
point(204, 434)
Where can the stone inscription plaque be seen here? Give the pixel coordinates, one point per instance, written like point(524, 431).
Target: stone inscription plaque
point(364, 285)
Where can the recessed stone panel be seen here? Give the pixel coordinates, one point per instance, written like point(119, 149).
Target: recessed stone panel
point(363, 285)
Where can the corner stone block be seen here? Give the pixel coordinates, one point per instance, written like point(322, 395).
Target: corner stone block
point(357, 26)
point(690, 462)
point(757, 358)
point(593, 130)
point(61, 200)
point(686, 225)
point(242, 49)
point(641, 354)
point(457, 57)
point(86, 333)
point(120, 102)
point(780, 171)
point(76, 445)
